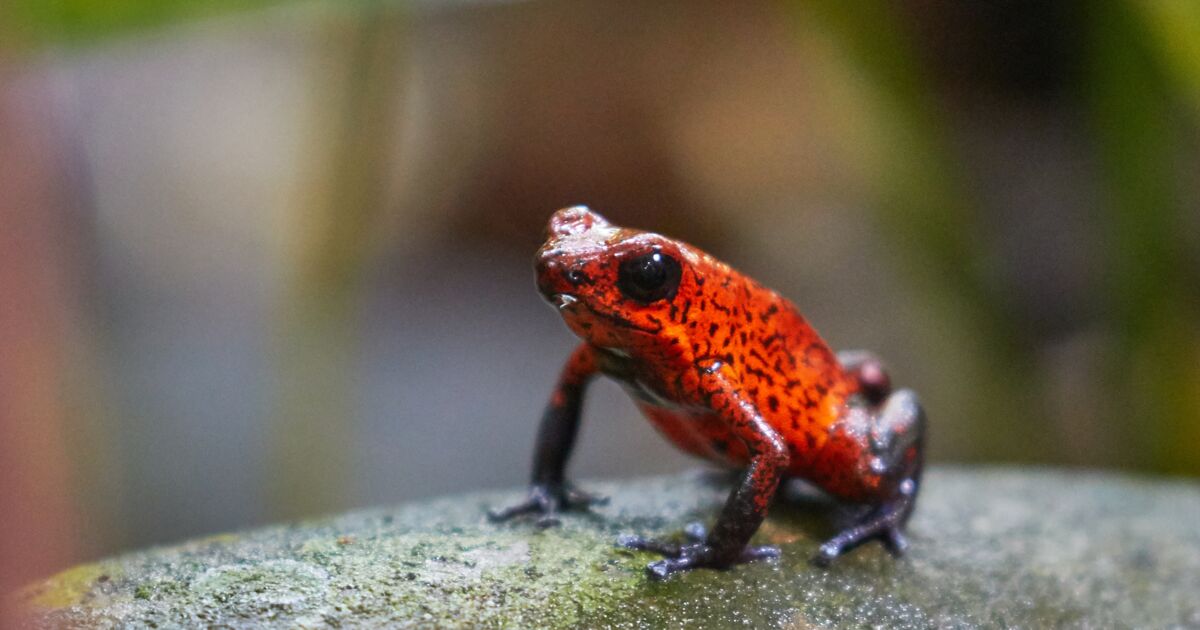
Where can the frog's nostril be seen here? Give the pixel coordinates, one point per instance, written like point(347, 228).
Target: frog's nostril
point(548, 274)
point(577, 277)
point(546, 266)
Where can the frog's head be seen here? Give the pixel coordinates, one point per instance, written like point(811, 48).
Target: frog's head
point(615, 287)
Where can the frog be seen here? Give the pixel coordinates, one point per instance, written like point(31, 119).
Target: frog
point(728, 371)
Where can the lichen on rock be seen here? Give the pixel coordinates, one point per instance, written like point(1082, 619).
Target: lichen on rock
point(990, 547)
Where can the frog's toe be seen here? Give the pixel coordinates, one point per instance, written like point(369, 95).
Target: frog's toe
point(826, 554)
point(639, 543)
point(895, 541)
point(892, 538)
point(662, 569)
point(884, 523)
point(702, 556)
point(498, 515)
point(547, 520)
point(575, 498)
point(547, 500)
point(762, 552)
point(689, 557)
point(695, 533)
point(697, 555)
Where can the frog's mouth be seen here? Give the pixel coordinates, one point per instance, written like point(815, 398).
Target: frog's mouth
point(566, 303)
point(563, 301)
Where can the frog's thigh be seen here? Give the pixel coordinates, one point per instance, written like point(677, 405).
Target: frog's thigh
point(895, 430)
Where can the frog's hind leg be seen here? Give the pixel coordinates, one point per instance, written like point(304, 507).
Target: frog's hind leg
point(897, 455)
point(869, 372)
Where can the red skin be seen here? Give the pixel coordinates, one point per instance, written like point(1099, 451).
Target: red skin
point(725, 368)
point(762, 344)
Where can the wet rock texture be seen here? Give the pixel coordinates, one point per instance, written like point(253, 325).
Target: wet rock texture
point(990, 547)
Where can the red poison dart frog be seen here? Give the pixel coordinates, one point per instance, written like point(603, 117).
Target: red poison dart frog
point(729, 371)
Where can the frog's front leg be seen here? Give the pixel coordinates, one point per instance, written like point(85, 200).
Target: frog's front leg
point(895, 452)
point(727, 543)
point(549, 491)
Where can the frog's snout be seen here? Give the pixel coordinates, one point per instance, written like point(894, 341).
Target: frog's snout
point(552, 274)
point(566, 263)
point(546, 269)
point(573, 221)
point(560, 279)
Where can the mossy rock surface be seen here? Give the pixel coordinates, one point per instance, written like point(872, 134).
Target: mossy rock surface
point(990, 547)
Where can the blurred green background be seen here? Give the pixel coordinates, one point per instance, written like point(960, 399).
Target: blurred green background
point(264, 259)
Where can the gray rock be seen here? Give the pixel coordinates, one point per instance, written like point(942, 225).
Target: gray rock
point(990, 547)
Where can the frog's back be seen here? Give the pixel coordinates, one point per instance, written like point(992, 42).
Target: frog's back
point(784, 368)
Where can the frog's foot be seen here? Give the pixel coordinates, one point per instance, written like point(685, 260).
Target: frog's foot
point(694, 554)
point(885, 522)
point(896, 445)
point(547, 500)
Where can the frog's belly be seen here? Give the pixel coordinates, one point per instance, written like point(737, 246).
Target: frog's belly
point(700, 434)
point(835, 467)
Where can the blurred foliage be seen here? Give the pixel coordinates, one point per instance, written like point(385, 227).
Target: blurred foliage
point(1142, 72)
point(332, 245)
point(1143, 63)
point(310, 458)
point(1170, 32)
point(920, 197)
point(28, 23)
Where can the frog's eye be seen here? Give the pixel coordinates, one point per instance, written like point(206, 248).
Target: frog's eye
point(649, 277)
